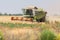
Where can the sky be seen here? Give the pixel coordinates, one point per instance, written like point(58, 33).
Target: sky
point(15, 6)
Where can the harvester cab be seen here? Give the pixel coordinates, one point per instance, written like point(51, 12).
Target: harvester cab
point(29, 11)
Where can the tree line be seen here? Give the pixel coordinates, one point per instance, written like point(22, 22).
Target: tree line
point(6, 14)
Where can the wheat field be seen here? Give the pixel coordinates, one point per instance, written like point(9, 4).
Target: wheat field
point(7, 19)
point(28, 32)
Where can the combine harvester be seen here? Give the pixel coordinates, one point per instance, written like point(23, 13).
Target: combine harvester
point(32, 13)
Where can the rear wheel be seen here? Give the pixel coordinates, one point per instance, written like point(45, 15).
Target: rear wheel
point(41, 20)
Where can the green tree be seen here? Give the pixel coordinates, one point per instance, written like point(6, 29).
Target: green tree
point(0, 13)
point(5, 14)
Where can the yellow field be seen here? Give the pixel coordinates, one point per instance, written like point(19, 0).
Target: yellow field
point(7, 19)
point(27, 33)
point(53, 19)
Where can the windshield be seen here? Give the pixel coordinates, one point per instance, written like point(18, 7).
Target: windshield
point(29, 12)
